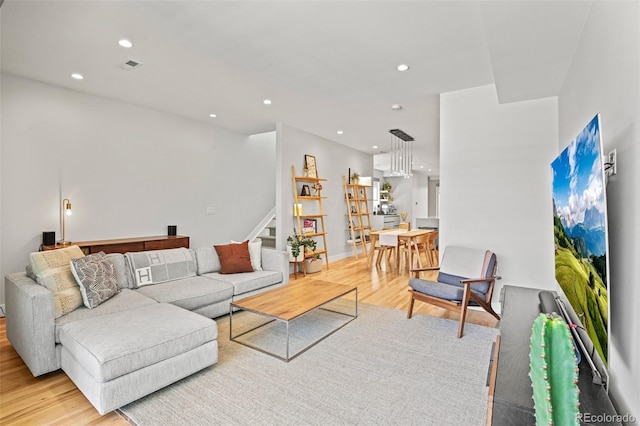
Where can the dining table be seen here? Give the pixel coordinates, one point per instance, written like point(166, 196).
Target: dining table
point(399, 236)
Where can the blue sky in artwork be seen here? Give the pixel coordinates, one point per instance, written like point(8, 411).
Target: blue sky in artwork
point(578, 176)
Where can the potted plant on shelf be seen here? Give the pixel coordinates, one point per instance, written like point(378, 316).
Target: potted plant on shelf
point(385, 191)
point(298, 245)
point(317, 187)
point(355, 178)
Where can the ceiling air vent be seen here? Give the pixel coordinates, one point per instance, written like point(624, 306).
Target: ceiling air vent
point(130, 65)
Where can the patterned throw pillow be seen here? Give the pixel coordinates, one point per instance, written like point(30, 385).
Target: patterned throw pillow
point(53, 271)
point(97, 278)
point(234, 258)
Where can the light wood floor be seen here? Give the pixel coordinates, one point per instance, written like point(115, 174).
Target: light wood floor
point(52, 399)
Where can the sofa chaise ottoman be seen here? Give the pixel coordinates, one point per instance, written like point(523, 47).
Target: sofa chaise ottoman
point(119, 357)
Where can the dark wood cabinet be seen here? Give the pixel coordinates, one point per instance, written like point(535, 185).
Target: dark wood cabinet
point(123, 245)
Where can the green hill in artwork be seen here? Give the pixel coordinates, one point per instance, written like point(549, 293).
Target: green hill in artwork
point(584, 287)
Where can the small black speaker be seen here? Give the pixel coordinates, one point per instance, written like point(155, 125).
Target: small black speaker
point(48, 238)
point(172, 230)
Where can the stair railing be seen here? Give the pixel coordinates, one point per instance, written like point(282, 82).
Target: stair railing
point(262, 224)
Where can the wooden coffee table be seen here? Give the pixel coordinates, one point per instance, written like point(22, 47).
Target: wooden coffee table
point(289, 302)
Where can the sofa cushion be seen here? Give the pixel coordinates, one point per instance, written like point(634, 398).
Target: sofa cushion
point(207, 260)
point(244, 283)
point(53, 271)
point(158, 266)
point(96, 277)
point(123, 301)
point(440, 290)
point(234, 258)
point(189, 293)
point(110, 346)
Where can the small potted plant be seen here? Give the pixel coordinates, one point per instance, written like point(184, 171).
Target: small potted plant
point(298, 246)
point(355, 178)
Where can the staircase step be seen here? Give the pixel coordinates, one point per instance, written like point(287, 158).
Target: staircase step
point(268, 240)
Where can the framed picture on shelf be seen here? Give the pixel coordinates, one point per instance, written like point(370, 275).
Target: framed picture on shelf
point(306, 192)
point(310, 165)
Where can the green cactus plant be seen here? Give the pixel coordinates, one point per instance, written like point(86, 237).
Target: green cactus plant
point(553, 372)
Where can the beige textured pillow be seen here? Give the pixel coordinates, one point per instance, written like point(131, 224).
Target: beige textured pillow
point(53, 271)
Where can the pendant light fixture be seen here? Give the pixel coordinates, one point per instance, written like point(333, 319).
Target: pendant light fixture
point(401, 153)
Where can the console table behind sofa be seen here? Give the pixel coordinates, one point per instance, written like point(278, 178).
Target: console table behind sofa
point(124, 245)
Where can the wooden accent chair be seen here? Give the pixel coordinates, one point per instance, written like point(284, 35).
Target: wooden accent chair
point(454, 290)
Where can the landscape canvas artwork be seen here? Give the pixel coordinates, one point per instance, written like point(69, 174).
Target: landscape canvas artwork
point(580, 232)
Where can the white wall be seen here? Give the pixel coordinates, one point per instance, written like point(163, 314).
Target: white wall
point(420, 198)
point(605, 78)
point(333, 162)
point(128, 171)
point(495, 181)
point(402, 193)
point(434, 185)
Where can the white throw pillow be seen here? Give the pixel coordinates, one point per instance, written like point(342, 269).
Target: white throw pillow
point(255, 251)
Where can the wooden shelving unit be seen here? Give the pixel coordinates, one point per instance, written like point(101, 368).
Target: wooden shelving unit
point(358, 215)
point(311, 210)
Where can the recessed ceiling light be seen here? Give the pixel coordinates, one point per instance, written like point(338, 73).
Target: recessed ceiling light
point(396, 107)
point(422, 167)
point(125, 43)
point(428, 170)
point(77, 76)
point(212, 115)
point(375, 147)
point(340, 132)
point(402, 67)
point(267, 102)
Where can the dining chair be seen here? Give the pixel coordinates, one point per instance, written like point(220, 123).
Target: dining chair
point(432, 248)
point(388, 243)
point(416, 244)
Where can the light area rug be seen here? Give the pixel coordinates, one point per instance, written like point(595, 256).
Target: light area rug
point(381, 368)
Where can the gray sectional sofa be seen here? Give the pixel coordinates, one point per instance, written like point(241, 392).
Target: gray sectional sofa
point(142, 338)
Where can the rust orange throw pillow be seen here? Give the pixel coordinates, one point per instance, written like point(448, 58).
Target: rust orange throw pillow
point(234, 258)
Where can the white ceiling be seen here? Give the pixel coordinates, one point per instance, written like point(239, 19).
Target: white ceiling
point(326, 65)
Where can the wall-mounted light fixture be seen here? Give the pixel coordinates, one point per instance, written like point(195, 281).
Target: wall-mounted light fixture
point(66, 211)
